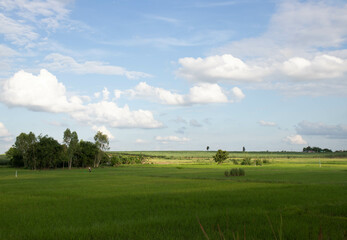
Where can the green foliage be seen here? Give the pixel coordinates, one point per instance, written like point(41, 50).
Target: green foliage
point(226, 173)
point(71, 143)
point(316, 150)
point(258, 162)
point(246, 161)
point(235, 161)
point(265, 161)
point(102, 143)
point(237, 172)
point(220, 156)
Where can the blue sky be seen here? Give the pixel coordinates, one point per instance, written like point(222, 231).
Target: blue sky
point(176, 75)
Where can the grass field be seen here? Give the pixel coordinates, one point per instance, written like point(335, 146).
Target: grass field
point(167, 201)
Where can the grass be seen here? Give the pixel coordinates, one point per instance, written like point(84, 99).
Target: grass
point(168, 201)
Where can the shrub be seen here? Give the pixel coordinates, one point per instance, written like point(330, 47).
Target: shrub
point(226, 173)
point(116, 161)
point(265, 161)
point(258, 162)
point(235, 172)
point(235, 161)
point(246, 161)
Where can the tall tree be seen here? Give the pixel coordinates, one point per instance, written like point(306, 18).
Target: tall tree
point(102, 143)
point(71, 142)
point(25, 146)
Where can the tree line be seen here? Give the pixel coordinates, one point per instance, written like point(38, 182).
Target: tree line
point(316, 150)
point(41, 152)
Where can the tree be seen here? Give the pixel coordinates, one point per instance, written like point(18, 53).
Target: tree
point(102, 144)
point(220, 156)
point(49, 152)
point(86, 153)
point(207, 148)
point(25, 147)
point(71, 142)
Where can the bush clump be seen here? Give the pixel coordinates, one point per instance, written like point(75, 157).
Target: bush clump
point(226, 173)
point(258, 162)
point(246, 161)
point(235, 161)
point(235, 172)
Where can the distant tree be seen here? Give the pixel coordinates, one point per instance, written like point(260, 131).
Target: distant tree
point(25, 147)
point(71, 142)
point(207, 148)
point(220, 156)
point(102, 144)
point(243, 149)
point(86, 153)
point(49, 152)
point(15, 157)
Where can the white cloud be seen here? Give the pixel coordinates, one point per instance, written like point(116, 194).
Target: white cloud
point(68, 64)
point(139, 140)
point(207, 93)
point(3, 131)
point(168, 139)
point(105, 94)
point(338, 131)
point(6, 51)
point(44, 93)
point(237, 94)
point(143, 90)
point(110, 114)
point(295, 139)
point(321, 67)
point(220, 67)
point(202, 93)
point(16, 32)
point(104, 130)
point(38, 93)
point(267, 124)
point(49, 13)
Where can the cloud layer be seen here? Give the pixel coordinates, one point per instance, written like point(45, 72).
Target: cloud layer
point(44, 93)
point(202, 93)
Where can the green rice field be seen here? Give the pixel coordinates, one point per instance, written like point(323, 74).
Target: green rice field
point(179, 195)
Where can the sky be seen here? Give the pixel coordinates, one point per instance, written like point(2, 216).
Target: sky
point(176, 75)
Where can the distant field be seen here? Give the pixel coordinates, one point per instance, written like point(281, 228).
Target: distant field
point(167, 201)
point(206, 157)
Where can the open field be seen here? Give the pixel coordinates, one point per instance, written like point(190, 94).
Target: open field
point(167, 201)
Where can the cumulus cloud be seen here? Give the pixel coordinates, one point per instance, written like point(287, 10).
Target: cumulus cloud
point(295, 139)
point(267, 124)
point(3, 131)
point(109, 113)
point(293, 55)
point(44, 93)
point(38, 93)
point(168, 139)
point(321, 67)
point(321, 129)
point(202, 93)
point(104, 130)
point(60, 62)
point(220, 67)
point(143, 90)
